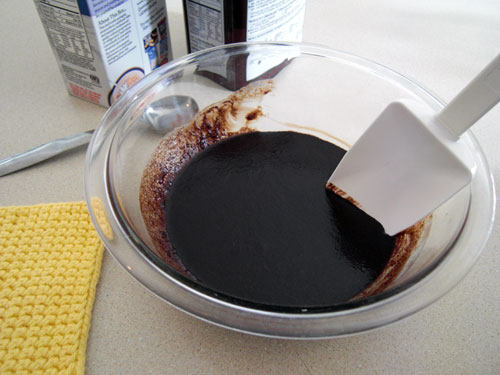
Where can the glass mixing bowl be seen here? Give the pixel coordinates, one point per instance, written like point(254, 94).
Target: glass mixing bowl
point(327, 93)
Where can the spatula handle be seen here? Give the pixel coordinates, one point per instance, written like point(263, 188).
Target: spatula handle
point(477, 98)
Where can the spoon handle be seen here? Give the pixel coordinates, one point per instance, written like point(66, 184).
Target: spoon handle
point(477, 98)
point(43, 152)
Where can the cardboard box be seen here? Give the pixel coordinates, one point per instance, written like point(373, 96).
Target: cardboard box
point(103, 47)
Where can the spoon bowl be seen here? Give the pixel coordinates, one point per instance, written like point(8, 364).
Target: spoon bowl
point(169, 112)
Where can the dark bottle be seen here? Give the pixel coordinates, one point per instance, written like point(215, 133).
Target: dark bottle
point(211, 23)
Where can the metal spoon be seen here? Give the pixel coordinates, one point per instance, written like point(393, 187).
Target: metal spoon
point(162, 115)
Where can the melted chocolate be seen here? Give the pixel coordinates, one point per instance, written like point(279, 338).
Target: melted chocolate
point(250, 217)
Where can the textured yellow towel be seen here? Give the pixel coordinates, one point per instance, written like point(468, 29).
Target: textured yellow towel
point(50, 259)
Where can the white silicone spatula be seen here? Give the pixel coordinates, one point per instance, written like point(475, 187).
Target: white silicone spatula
point(411, 159)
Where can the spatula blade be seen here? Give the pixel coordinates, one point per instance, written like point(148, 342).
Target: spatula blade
point(402, 168)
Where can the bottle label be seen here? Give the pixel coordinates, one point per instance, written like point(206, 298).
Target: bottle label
point(280, 20)
point(272, 20)
point(205, 20)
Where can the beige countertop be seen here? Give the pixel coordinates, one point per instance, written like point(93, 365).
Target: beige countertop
point(440, 44)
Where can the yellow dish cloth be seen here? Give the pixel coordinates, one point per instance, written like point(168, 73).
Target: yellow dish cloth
point(50, 259)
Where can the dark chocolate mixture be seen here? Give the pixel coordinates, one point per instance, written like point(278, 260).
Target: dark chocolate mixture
point(250, 217)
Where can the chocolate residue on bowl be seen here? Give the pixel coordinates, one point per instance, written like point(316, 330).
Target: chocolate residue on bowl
point(342, 193)
point(215, 123)
point(406, 242)
point(251, 116)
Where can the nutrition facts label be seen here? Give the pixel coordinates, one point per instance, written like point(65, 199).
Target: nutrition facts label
point(103, 47)
point(63, 22)
point(275, 20)
point(205, 20)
